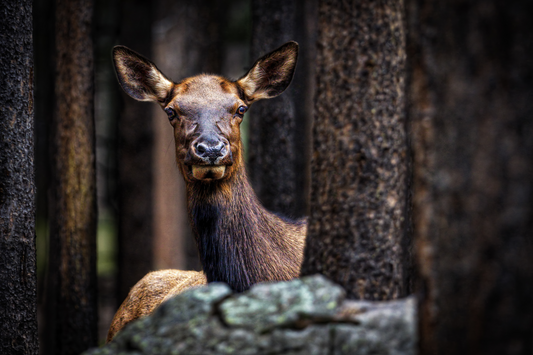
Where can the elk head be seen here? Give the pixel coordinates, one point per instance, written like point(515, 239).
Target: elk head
point(206, 110)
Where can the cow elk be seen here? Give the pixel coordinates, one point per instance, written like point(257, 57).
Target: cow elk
point(239, 241)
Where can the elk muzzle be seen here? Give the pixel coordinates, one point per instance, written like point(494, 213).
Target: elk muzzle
point(208, 158)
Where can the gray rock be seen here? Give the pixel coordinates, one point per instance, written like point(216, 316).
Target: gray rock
point(283, 304)
point(383, 328)
point(303, 316)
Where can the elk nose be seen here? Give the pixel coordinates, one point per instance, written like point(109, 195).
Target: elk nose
point(210, 152)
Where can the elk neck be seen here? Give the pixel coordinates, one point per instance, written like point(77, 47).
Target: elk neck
point(239, 241)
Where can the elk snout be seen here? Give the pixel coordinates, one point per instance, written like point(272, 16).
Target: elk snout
point(210, 153)
point(209, 158)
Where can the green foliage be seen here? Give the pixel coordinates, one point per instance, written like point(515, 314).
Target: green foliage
point(106, 245)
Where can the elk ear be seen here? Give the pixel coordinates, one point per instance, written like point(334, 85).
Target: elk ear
point(271, 74)
point(139, 77)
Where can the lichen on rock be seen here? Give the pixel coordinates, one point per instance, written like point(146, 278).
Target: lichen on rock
point(302, 316)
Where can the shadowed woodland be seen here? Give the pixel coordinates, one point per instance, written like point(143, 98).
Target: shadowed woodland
point(406, 138)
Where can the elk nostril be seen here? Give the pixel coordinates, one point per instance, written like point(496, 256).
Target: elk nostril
point(218, 148)
point(201, 148)
point(210, 151)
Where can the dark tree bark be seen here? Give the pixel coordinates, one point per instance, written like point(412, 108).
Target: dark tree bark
point(72, 289)
point(279, 129)
point(135, 168)
point(471, 110)
point(358, 189)
point(188, 40)
point(18, 277)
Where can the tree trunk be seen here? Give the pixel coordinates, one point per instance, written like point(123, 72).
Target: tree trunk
point(188, 38)
point(471, 91)
point(43, 38)
point(18, 277)
point(279, 134)
point(356, 231)
point(135, 168)
point(71, 303)
point(44, 77)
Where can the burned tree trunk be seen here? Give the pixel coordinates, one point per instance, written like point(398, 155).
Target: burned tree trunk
point(279, 133)
point(18, 276)
point(71, 294)
point(471, 111)
point(358, 189)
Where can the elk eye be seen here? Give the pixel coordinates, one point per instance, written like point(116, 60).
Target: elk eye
point(171, 113)
point(242, 110)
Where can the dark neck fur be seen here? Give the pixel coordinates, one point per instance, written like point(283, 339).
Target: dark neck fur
point(240, 242)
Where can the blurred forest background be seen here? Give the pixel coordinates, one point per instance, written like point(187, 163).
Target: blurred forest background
point(142, 219)
point(406, 137)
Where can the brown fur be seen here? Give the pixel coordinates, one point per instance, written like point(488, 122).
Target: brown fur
point(239, 242)
point(151, 291)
